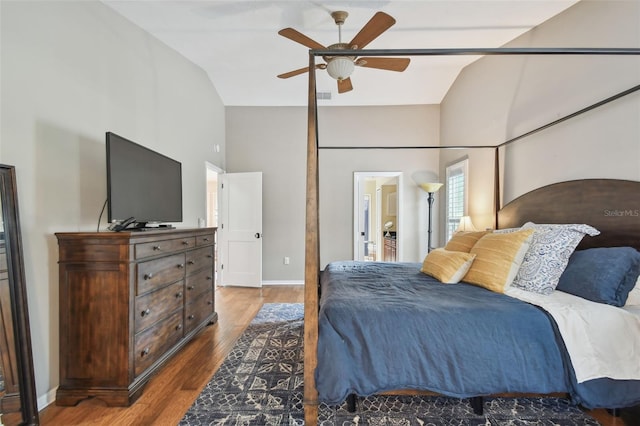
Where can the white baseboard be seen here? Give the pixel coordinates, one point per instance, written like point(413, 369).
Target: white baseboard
point(47, 399)
point(283, 282)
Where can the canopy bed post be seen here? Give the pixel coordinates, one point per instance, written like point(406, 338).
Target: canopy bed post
point(496, 186)
point(312, 255)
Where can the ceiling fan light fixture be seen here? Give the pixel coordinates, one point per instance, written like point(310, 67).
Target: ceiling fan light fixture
point(340, 67)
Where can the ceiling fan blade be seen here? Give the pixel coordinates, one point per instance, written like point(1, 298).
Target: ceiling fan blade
point(298, 37)
point(390, 64)
point(300, 71)
point(379, 23)
point(293, 73)
point(344, 85)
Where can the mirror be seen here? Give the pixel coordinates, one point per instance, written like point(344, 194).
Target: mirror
point(18, 404)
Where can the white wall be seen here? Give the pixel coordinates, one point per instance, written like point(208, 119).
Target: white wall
point(375, 126)
point(273, 140)
point(70, 72)
point(498, 98)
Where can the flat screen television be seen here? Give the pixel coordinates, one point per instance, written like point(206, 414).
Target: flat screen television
point(141, 184)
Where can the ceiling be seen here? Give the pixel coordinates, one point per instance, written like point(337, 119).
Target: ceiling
point(237, 43)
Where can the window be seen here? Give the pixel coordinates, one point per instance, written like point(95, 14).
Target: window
point(457, 188)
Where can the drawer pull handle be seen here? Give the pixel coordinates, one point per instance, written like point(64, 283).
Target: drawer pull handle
point(156, 248)
point(209, 302)
point(210, 256)
point(205, 239)
point(191, 317)
point(180, 265)
point(145, 352)
point(190, 287)
point(209, 278)
point(178, 295)
point(179, 327)
point(148, 276)
point(191, 262)
point(185, 243)
point(145, 312)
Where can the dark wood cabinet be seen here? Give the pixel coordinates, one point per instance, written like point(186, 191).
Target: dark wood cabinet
point(128, 302)
point(389, 249)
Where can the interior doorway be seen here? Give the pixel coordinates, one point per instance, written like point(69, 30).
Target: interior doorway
point(212, 217)
point(213, 173)
point(377, 216)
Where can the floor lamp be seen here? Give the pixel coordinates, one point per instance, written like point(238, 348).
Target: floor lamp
point(430, 188)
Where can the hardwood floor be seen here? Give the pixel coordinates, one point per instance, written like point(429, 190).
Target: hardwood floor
point(170, 393)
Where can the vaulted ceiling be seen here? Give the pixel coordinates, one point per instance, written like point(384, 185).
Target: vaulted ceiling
point(237, 43)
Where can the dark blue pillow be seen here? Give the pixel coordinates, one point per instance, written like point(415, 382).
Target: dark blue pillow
point(604, 274)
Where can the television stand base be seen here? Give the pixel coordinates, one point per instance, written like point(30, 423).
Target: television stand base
point(151, 228)
point(144, 226)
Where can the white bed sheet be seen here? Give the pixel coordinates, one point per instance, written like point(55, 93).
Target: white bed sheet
point(634, 309)
point(602, 340)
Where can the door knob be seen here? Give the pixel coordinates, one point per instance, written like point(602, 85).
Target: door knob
point(257, 235)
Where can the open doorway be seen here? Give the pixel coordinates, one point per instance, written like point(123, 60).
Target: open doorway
point(377, 213)
point(212, 194)
point(212, 218)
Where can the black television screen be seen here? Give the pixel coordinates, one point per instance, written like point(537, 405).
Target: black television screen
point(142, 183)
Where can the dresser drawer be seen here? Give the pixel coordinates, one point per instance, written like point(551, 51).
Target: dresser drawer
point(198, 283)
point(157, 248)
point(199, 258)
point(151, 344)
point(154, 306)
point(156, 273)
point(197, 311)
point(203, 240)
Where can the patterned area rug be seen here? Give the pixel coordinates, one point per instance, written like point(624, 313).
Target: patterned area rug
point(260, 383)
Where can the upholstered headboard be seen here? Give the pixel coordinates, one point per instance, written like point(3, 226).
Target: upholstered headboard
point(612, 206)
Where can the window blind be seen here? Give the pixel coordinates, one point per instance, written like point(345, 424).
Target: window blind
point(456, 196)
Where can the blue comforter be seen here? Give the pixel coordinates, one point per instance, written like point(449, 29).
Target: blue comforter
point(387, 326)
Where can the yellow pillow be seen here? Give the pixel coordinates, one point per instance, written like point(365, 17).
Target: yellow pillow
point(447, 266)
point(498, 258)
point(464, 241)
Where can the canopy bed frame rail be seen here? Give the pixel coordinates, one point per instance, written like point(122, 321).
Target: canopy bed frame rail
point(631, 232)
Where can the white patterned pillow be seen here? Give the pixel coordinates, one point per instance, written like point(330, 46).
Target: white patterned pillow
point(548, 255)
point(507, 230)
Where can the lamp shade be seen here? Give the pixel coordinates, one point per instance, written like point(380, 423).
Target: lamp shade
point(465, 225)
point(340, 68)
point(430, 186)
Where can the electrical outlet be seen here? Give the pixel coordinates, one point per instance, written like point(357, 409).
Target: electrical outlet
point(286, 260)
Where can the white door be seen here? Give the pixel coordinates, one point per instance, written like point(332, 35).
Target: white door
point(241, 230)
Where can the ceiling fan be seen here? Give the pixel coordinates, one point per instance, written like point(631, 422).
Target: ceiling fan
point(341, 67)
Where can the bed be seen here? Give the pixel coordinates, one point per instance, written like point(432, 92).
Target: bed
point(333, 372)
point(387, 326)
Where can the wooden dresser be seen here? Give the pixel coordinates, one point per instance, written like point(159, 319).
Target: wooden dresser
point(128, 302)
